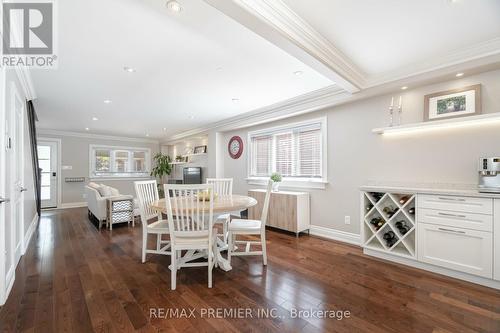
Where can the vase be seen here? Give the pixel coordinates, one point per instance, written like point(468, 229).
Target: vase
point(276, 186)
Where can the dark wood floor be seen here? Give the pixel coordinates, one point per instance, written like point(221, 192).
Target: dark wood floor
point(75, 278)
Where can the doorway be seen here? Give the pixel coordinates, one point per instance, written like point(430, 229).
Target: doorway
point(11, 184)
point(48, 157)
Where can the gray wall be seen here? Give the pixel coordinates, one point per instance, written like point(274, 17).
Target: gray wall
point(356, 155)
point(29, 195)
point(75, 153)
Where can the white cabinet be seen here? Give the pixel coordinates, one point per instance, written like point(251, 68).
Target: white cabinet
point(456, 219)
point(453, 232)
point(456, 203)
point(496, 237)
point(464, 250)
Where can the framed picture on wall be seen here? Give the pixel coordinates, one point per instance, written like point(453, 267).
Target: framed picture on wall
point(455, 103)
point(200, 149)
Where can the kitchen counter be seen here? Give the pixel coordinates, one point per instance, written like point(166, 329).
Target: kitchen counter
point(438, 189)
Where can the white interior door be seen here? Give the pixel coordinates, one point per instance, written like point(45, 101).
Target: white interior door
point(11, 187)
point(47, 161)
point(5, 261)
point(17, 171)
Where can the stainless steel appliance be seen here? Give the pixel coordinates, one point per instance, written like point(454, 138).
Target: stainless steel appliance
point(489, 174)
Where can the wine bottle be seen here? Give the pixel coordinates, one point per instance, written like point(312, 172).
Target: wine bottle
point(411, 210)
point(404, 199)
point(390, 211)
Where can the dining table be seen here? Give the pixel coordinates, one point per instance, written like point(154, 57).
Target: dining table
point(223, 204)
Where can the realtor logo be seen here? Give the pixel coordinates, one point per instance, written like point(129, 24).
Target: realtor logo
point(28, 31)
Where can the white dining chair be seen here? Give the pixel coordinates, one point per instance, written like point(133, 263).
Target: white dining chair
point(147, 192)
point(222, 187)
point(192, 228)
point(250, 227)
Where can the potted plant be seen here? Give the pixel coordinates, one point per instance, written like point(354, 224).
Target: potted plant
point(161, 169)
point(179, 158)
point(276, 178)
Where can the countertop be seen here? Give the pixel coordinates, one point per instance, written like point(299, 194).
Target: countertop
point(438, 189)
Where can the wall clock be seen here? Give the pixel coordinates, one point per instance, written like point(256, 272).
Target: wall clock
point(235, 147)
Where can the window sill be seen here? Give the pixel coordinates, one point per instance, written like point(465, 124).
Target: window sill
point(304, 183)
point(93, 179)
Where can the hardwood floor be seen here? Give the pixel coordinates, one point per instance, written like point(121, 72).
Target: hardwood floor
point(75, 278)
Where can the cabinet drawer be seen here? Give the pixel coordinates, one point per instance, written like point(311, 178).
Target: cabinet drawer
point(456, 219)
point(467, 251)
point(456, 203)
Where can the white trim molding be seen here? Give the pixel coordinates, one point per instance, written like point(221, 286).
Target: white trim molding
point(45, 131)
point(313, 101)
point(24, 76)
point(301, 183)
point(30, 232)
point(338, 235)
point(276, 22)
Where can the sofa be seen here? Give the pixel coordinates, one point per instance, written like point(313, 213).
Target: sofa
point(97, 195)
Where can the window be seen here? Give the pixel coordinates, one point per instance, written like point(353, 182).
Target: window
point(296, 151)
point(109, 162)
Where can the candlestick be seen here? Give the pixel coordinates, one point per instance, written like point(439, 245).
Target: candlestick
point(391, 113)
point(400, 110)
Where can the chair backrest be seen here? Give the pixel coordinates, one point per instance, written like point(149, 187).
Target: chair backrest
point(146, 192)
point(222, 186)
point(265, 208)
point(189, 210)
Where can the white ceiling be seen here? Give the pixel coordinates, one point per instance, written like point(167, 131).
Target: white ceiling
point(401, 35)
point(191, 65)
point(188, 65)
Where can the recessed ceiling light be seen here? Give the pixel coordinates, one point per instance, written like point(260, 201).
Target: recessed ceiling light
point(298, 73)
point(129, 69)
point(404, 87)
point(235, 100)
point(164, 129)
point(95, 118)
point(147, 134)
point(87, 129)
point(174, 6)
point(459, 74)
point(107, 101)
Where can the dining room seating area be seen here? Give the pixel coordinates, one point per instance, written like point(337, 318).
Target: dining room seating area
point(184, 224)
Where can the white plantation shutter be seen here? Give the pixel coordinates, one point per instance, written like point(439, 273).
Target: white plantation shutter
point(309, 153)
point(261, 155)
point(284, 154)
point(293, 152)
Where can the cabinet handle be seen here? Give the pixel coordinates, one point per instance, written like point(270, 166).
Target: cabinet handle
point(451, 199)
point(452, 215)
point(451, 230)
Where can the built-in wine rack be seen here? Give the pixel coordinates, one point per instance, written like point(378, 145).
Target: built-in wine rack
point(389, 222)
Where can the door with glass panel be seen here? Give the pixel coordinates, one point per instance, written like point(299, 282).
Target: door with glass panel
point(47, 161)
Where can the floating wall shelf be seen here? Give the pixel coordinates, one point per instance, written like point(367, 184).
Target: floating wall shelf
point(483, 119)
point(197, 154)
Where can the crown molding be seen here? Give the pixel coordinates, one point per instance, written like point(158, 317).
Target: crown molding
point(480, 54)
point(44, 131)
point(276, 22)
point(313, 101)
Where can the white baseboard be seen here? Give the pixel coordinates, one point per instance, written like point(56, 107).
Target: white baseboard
point(29, 233)
point(73, 205)
point(342, 236)
point(434, 269)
